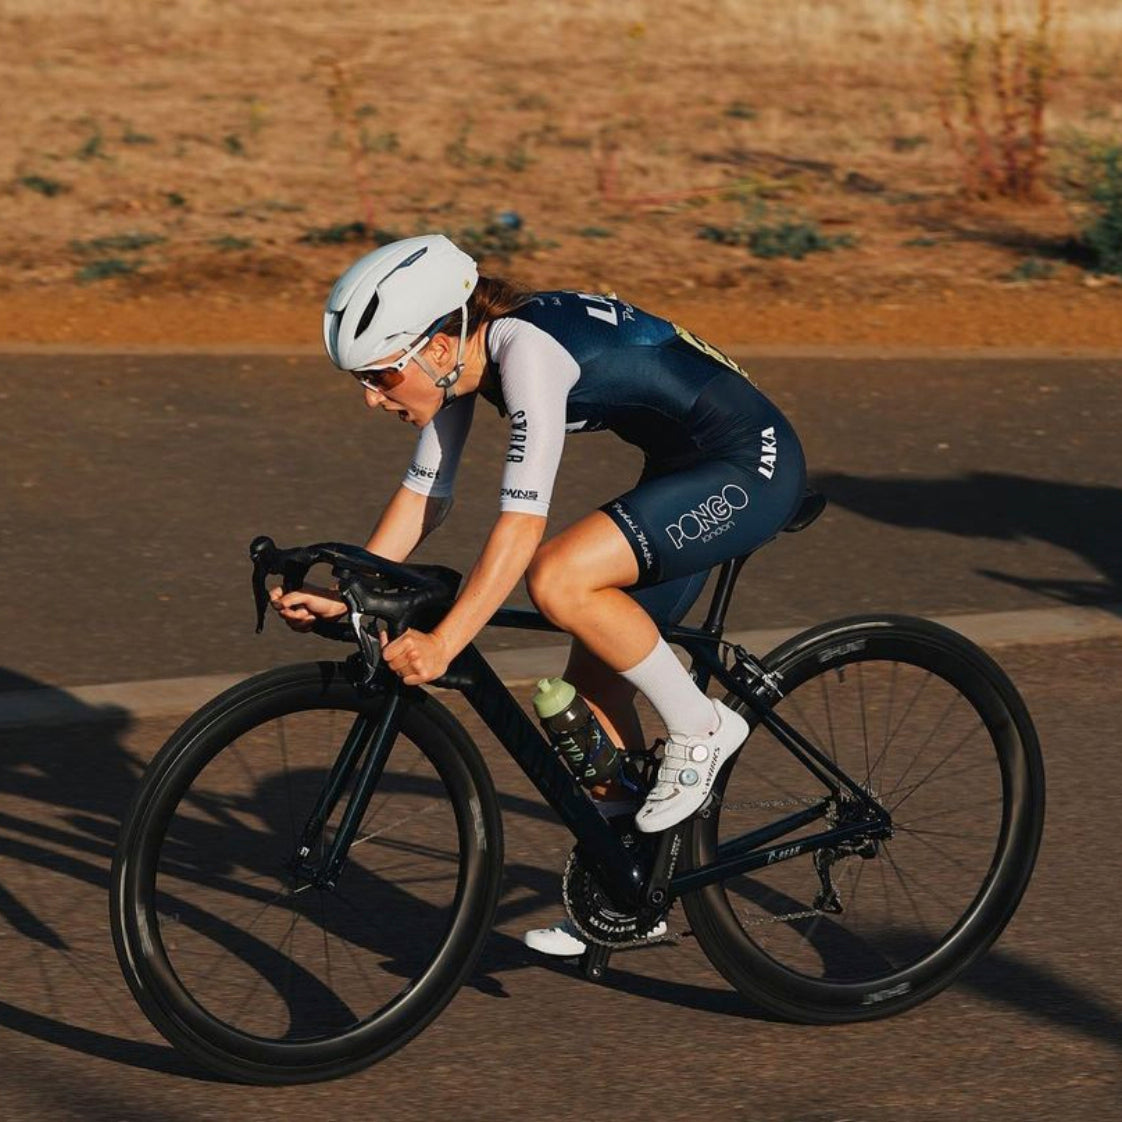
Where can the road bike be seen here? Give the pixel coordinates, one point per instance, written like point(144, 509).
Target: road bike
point(311, 865)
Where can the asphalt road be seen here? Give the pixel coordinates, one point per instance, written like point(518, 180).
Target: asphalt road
point(133, 484)
point(131, 489)
point(1033, 1032)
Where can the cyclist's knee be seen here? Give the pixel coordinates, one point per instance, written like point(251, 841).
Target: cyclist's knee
point(552, 582)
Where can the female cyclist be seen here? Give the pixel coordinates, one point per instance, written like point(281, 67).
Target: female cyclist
point(723, 473)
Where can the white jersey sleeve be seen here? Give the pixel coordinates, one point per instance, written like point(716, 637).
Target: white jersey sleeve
point(536, 374)
point(439, 447)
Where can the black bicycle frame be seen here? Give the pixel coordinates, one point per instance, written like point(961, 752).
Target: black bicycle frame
point(623, 877)
point(488, 696)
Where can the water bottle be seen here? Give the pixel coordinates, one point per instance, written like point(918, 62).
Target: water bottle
point(576, 733)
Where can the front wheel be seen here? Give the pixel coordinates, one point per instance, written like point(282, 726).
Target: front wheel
point(932, 728)
point(231, 949)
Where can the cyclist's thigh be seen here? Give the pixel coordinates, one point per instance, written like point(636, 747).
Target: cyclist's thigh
point(687, 521)
point(666, 603)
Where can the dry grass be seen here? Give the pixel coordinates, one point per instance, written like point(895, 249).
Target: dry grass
point(212, 124)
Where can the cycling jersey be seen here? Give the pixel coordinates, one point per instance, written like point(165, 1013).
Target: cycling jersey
point(570, 362)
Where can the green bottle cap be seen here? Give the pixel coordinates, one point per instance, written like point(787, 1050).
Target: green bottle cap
point(554, 695)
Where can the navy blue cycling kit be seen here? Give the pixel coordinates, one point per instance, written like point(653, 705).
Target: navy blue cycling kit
point(723, 469)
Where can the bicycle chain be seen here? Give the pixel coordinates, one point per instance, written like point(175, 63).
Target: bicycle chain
point(773, 804)
point(674, 937)
point(776, 804)
point(786, 917)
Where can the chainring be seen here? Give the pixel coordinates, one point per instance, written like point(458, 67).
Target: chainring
point(592, 912)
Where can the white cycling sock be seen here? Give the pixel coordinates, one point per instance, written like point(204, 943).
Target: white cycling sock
point(667, 685)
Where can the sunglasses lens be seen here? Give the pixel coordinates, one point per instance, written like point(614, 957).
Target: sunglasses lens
point(380, 379)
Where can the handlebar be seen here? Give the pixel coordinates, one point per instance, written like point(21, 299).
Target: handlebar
point(396, 596)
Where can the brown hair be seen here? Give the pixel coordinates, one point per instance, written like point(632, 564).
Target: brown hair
point(493, 297)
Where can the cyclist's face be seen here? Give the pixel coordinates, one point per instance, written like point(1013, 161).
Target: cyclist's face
point(409, 393)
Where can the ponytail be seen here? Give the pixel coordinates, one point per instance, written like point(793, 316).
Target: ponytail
point(492, 298)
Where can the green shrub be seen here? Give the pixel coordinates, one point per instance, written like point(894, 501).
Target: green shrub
point(789, 236)
point(1031, 269)
point(343, 232)
point(104, 268)
point(502, 235)
point(130, 136)
point(43, 185)
point(740, 111)
point(1104, 235)
point(127, 243)
point(92, 149)
point(229, 243)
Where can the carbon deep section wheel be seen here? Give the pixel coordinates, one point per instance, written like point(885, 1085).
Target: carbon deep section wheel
point(932, 728)
point(232, 951)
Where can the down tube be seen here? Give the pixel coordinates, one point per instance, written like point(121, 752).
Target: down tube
point(487, 695)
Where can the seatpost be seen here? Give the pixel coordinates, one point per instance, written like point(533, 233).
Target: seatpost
point(722, 594)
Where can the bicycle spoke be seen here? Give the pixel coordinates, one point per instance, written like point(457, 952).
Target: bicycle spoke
point(956, 773)
point(864, 722)
point(829, 719)
point(954, 751)
point(904, 886)
point(991, 801)
point(930, 736)
point(287, 776)
point(956, 834)
point(916, 881)
point(923, 684)
point(938, 849)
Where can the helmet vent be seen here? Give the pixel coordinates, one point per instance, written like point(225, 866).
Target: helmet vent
point(367, 315)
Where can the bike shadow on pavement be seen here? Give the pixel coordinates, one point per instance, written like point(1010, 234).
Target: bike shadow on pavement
point(62, 793)
point(1083, 519)
point(1001, 977)
point(63, 789)
point(1032, 988)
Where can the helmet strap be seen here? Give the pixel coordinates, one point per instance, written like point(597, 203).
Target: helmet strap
point(447, 382)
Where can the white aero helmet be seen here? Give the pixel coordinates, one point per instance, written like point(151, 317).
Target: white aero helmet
point(393, 299)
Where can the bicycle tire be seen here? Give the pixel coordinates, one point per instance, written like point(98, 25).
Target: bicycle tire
point(826, 973)
point(174, 827)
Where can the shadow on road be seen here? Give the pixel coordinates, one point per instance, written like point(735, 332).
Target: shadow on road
point(63, 790)
point(1084, 520)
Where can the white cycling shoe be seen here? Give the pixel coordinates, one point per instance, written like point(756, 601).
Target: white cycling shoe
point(564, 939)
point(688, 771)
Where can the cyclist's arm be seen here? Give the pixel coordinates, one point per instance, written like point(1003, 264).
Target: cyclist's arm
point(424, 498)
point(505, 558)
point(537, 375)
point(408, 519)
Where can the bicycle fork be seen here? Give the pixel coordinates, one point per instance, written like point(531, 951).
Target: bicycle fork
point(367, 741)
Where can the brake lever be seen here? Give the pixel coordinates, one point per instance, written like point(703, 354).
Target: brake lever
point(369, 643)
point(261, 550)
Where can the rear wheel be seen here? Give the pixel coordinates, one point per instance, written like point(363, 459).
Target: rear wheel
point(931, 727)
point(244, 963)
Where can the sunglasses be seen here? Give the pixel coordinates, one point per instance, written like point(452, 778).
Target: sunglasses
point(391, 374)
point(380, 379)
